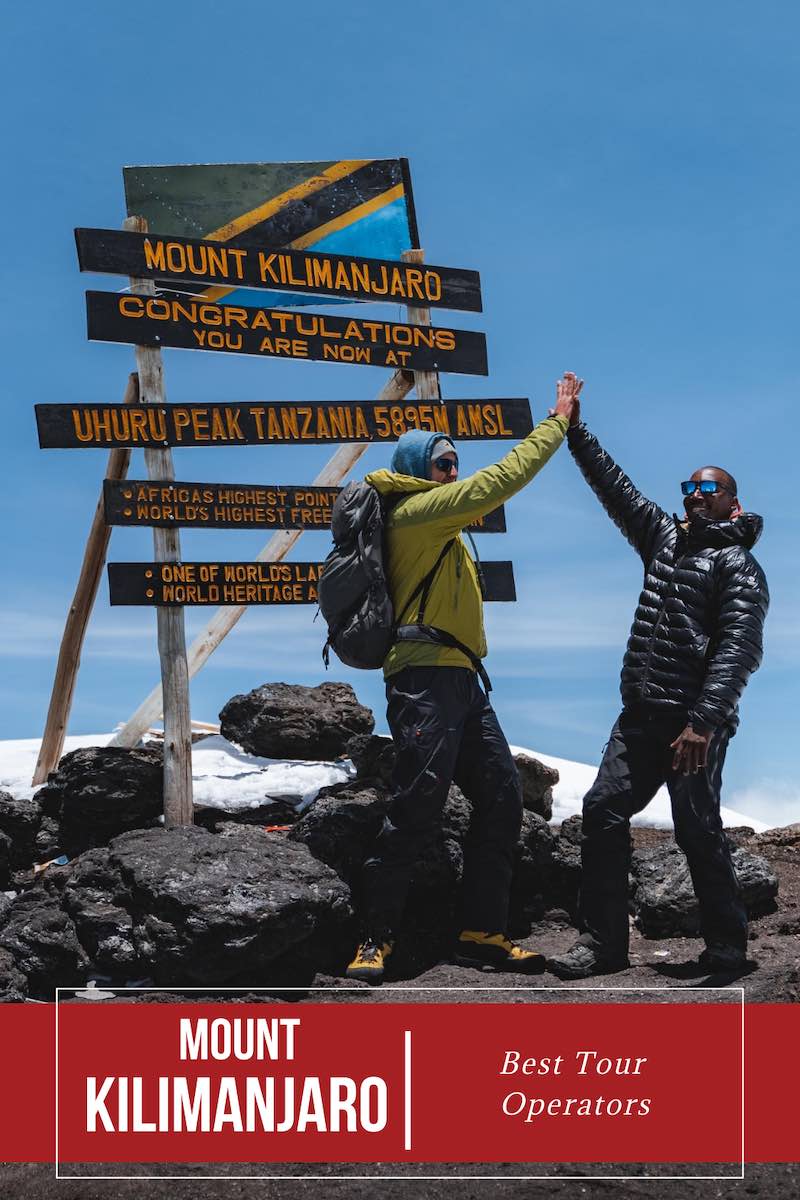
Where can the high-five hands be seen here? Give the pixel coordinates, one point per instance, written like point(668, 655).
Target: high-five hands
point(568, 404)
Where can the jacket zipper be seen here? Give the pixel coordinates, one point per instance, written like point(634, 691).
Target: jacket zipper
point(659, 619)
point(652, 648)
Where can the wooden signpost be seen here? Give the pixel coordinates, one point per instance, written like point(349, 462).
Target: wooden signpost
point(69, 426)
point(272, 232)
point(178, 806)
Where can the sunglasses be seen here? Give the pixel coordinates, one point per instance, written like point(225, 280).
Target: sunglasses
point(445, 463)
point(707, 487)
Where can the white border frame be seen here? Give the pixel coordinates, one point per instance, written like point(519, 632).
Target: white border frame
point(405, 988)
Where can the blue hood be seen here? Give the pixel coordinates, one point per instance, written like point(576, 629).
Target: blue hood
point(412, 454)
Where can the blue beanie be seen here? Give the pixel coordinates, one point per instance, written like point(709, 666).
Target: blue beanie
point(413, 452)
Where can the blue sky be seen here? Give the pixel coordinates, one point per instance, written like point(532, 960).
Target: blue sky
point(623, 176)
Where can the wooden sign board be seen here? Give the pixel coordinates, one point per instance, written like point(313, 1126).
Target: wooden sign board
point(359, 207)
point(234, 506)
point(192, 260)
point(68, 426)
point(190, 324)
point(224, 583)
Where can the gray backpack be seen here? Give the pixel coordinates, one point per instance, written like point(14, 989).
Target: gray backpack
point(354, 594)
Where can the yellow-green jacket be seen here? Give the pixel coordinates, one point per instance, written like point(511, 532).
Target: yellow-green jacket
point(428, 516)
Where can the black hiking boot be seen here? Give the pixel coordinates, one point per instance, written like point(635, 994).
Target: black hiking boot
point(718, 959)
point(582, 961)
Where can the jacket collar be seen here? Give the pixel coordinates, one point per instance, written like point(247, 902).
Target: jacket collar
point(701, 533)
point(392, 484)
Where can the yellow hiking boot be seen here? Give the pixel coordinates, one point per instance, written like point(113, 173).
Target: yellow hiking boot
point(368, 964)
point(497, 952)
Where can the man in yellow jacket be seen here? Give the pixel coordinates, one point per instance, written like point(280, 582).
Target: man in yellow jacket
point(443, 727)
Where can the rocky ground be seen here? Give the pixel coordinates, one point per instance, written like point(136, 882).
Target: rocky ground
point(229, 903)
point(773, 1181)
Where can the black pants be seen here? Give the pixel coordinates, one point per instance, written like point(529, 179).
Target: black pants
point(444, 730)
point(637, 761)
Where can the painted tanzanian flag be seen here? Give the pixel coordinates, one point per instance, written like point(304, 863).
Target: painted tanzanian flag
point(356, 206)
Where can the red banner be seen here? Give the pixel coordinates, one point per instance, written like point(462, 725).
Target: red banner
point(395, 1083)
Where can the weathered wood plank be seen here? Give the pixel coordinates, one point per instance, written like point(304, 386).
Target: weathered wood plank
point(349, 277)
point(142, 502)
point(100, 426)
point(192, 324)
point(178, 806)
point(237, 583)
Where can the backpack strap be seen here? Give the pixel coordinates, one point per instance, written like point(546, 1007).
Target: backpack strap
point(441, 637)
point(424, 586)
point(420, 632)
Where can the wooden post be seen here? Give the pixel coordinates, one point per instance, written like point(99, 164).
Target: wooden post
point(426, 383)
point(278, 546)
point(69, 654)
point(178, 808)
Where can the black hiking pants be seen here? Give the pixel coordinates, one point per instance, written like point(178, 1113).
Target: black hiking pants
point(444, 730)
point(636, 762)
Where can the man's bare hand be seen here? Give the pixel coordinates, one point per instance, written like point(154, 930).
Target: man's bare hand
point(691, 751)
point(568, 404)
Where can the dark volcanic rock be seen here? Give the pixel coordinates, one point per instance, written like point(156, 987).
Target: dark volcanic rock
point(664, 899)
point(785, 836)
point(20, 820)
point(97, 793)
point(186, 906)
point(42, 939)
point(372, 756)
point(531, 881)
point(48, 841)
point(565, 876)
point(13, 984)
point(537, 782)
point(341, 825)
point(271, 812)
point(285, 720)
point(6, 847)
point(340, 829)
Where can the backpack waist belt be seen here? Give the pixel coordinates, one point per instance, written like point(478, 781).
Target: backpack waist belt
point(440, 637)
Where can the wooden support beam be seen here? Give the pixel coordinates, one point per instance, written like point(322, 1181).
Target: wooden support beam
point(80, 610)
point(426, 383)
point(178, 807)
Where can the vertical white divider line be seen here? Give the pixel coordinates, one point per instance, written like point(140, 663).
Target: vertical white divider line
point(407, 1090)
point(55, 1148)
point(743, 1081)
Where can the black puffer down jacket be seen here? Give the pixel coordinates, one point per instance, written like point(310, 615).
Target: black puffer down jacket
point(697, 632)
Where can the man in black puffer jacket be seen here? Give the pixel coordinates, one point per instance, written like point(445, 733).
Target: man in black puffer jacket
point(696, 638)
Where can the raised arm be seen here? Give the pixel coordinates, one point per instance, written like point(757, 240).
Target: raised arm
point(454, 505)
point(638, 518)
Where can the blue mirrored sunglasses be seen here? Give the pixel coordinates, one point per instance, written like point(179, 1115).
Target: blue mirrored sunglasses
point(708, 487)
point(446, 462)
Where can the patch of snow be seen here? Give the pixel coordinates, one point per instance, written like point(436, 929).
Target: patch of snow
point(224, 777)
point(18, 760)
point(227, 778)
